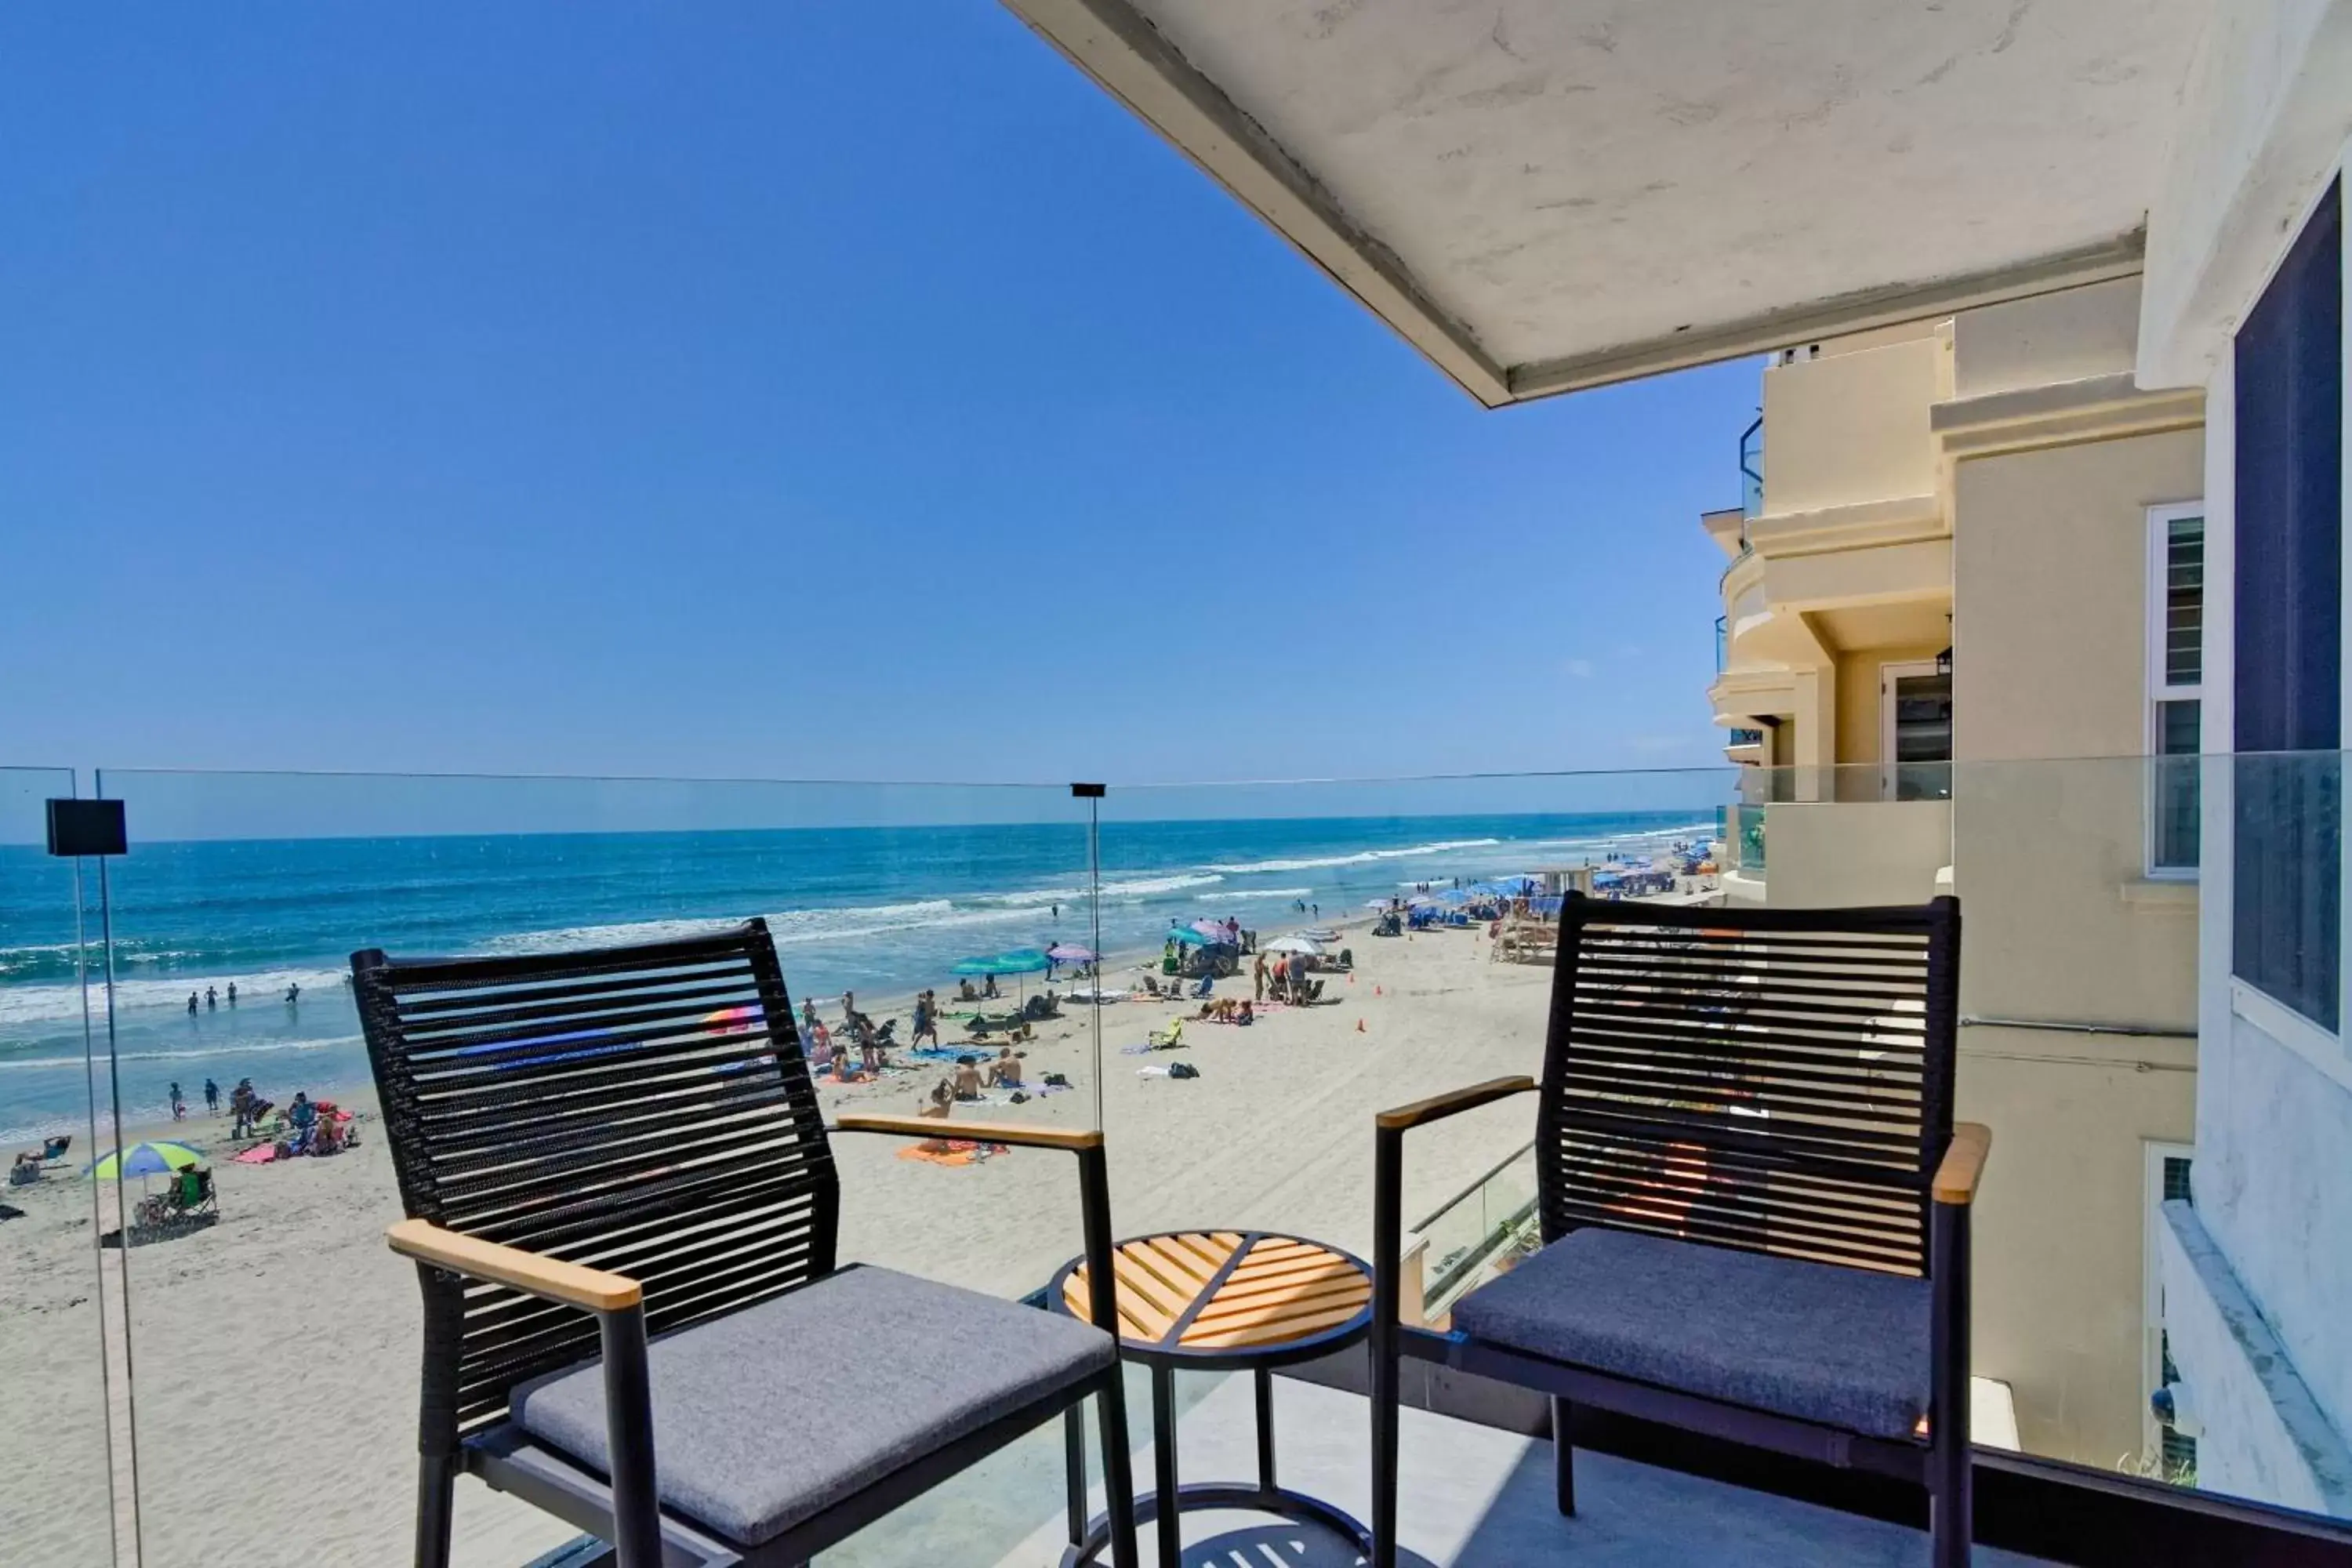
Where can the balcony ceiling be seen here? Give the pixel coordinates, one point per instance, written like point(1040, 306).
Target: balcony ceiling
point(1543, 194)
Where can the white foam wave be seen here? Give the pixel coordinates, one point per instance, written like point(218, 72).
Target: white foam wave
point(22, 1004)
point(1362, 858)
point(241, 1049)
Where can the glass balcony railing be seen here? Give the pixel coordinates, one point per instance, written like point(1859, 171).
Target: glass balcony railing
point(1751, 470)
point(1389, 939)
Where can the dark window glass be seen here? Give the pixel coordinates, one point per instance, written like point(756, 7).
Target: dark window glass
point(2288, 850)
point(2184, 601)
point(2177, 731)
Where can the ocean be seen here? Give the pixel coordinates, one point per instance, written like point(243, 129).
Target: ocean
point(882, 910)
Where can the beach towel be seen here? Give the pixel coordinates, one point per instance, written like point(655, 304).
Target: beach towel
point(259, 1154)
point(958, 1151)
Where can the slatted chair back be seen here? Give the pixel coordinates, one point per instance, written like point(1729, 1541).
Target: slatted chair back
point(1775, 1081)
point(644, 1109)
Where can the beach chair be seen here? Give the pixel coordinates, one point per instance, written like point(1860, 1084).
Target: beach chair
point(191, 1195)
point(620, 1151)
point(1752, 1196)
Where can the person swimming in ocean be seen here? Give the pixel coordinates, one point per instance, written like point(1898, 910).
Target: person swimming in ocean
point(232, 993)
point(191, 1003)
point(212, 1000)
point(293, 993)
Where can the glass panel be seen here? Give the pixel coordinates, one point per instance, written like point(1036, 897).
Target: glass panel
point(233, 920)
point(2286, 892)
point(56, 1503)
point(2173, 842)
point(1396, 940)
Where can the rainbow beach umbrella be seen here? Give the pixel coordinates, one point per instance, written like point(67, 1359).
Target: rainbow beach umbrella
point(145, 1160)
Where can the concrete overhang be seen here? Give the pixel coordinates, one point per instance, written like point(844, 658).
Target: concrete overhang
point(1545, 195)
point(1742, 697)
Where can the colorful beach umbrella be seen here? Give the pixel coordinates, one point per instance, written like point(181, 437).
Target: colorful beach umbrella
point(1071, 952)
point(146, 1160)
point(1189, 937)
point(1020, 960)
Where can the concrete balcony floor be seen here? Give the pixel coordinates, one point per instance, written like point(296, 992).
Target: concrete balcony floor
point(1472, 1497)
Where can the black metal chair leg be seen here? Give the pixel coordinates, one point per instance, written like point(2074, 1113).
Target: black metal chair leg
point(436, 1496)
point(1384, 1454)
point(1563, 1457)
point(1074, 1467)
point(1118, 1473)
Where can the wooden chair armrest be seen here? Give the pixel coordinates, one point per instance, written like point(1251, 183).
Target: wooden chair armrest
point(1071, 1138)
point(1439, 1106)
point(1963, 1164)
point(593, 1290)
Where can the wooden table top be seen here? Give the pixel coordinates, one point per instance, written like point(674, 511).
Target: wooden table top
point(1230, 1292)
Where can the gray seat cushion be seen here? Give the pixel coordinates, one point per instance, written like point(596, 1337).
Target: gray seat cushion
point(768, 1416)
point(1840, 1346)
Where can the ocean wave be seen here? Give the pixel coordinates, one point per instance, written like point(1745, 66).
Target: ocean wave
point(1362, 858)
point(227, 1048)
point(22, 1004)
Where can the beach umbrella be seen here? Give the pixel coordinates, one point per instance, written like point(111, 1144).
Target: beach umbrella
point(146, 1160)
point(983, 965)
point(1189, 937)
point(1376, 903)
point(1321, 934)
point(1296, 945)
point(1213, 930)
point(1071, 952)
point(1020, 960)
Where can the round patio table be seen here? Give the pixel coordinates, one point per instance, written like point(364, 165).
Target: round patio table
point(1217, 1300)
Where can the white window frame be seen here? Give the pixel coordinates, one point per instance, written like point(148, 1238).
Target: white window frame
point(2159, 520)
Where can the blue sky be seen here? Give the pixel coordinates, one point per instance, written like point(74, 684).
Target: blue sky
point(762, 390)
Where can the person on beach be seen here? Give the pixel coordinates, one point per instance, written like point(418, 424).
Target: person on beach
point(179, 1106)
point(967, 1079)
point(1258, 976)
point(240, 1109)
point(926, 1020)
point(1004, 1072)
point(212, 1098)
point(988, 988)
point(304, 1116)
point(942, 1100)
point(808, 1016)
point(232, 993)
point(869, 1049)
point(212, 1000)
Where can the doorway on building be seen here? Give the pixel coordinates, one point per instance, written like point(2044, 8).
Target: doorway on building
point(1914, 730)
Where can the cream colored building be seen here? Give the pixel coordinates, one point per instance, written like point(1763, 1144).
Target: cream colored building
point(1942, 619)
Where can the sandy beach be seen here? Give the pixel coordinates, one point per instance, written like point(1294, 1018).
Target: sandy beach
point(276, 1351)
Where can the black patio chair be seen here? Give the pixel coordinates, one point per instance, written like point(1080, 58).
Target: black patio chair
point(621, 1149)
point(1753, 1200)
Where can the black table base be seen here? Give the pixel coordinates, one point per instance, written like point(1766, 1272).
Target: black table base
point(1090, 1536)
